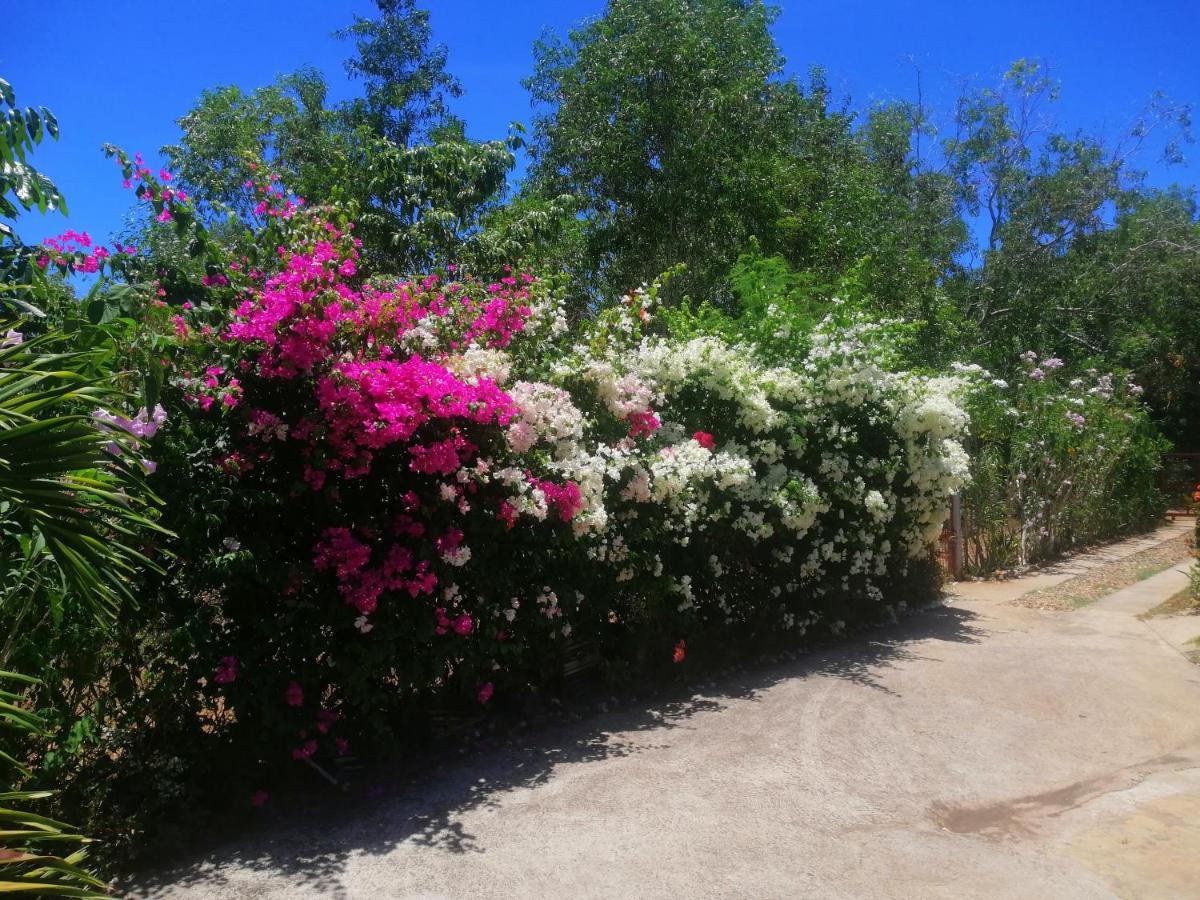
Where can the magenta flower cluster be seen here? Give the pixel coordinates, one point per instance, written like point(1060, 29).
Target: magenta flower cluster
point(350, 385)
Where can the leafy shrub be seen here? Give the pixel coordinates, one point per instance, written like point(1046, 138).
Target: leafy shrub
point(1056, 462)
point(30, 842)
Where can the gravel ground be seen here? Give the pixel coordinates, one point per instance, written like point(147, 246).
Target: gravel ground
point(1091, 586)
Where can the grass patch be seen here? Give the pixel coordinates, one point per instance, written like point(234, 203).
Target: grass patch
point(1193, 655)
point(1184, 603)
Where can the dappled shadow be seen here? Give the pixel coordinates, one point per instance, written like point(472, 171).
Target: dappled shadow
point(312, 844)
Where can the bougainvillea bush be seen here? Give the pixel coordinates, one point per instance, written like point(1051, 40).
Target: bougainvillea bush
point(405, 501)
point(1058, 460)
point(399, 497)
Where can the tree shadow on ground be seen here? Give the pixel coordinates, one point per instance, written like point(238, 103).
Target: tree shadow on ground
point(311, 845)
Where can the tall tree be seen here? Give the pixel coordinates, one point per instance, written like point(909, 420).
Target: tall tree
point(1041, 195)
point(404, 74)
point(673, 124)
point(668, 120)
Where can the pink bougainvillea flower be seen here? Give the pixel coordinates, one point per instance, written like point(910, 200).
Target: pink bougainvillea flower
point(680, 652)
point(485, 692)
point(306, 750)
point(643, 422)
point(259, 799)
point(227, 670)
point(507, 514)
point(325, 720)
point(565, 499)
point(294, 695)
point(704, 439)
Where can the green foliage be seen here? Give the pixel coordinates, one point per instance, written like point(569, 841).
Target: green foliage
point(62, 493)
point(395, 159)
point(777, 309)
point(21, 130)
point(1077, 255)
point(668, 137)
point(1057, 462)
point(30, 842)
point(22, 187)
point(669, 122)
point(673, 124)
point(406, 83)
point(77, 528)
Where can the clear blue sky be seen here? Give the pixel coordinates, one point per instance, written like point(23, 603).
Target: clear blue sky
point(123, 73)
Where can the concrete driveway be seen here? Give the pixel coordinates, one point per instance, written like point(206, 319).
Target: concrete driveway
point(980, 750)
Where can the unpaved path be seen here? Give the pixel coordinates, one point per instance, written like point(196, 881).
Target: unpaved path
point(978, 750)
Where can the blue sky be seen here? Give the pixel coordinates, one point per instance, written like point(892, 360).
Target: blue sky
point(110, 74)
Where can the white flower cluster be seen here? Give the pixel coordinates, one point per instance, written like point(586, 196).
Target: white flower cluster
point(477, 362)
point(547, 415)
point(818, 480)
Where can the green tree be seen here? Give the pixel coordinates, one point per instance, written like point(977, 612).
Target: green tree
point(1043, 197)
point(674, 125)
point(75, 518)
point(1132, 293)
point(669, 120)
point(22, 188)
point(396, 158)
point(404, 74)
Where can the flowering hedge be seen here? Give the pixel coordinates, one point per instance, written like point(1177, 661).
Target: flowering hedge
point(399, 501)
point(1058, 460)
point(430, 493)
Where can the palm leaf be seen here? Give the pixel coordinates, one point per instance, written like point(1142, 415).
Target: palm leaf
point(25, 868)
point(58, 478)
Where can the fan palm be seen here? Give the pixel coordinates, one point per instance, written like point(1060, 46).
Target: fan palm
point(66, 480)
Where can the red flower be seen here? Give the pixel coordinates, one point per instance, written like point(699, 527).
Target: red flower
point(680, 652)
point(704, 439)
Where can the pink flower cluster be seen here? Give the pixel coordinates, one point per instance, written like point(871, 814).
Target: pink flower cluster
point(462, 624)
point(143, 426)
point(74, 251)
point(642, 422)
point(367, 406)
point(502, 315)
point(565, 499)
point(306, 308)
point(273, 201)
point(214, 386)
point(357, 393)
point(361, 584)
point(227, 670)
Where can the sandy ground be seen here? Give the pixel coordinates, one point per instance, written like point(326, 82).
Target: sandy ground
point(978, 750)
